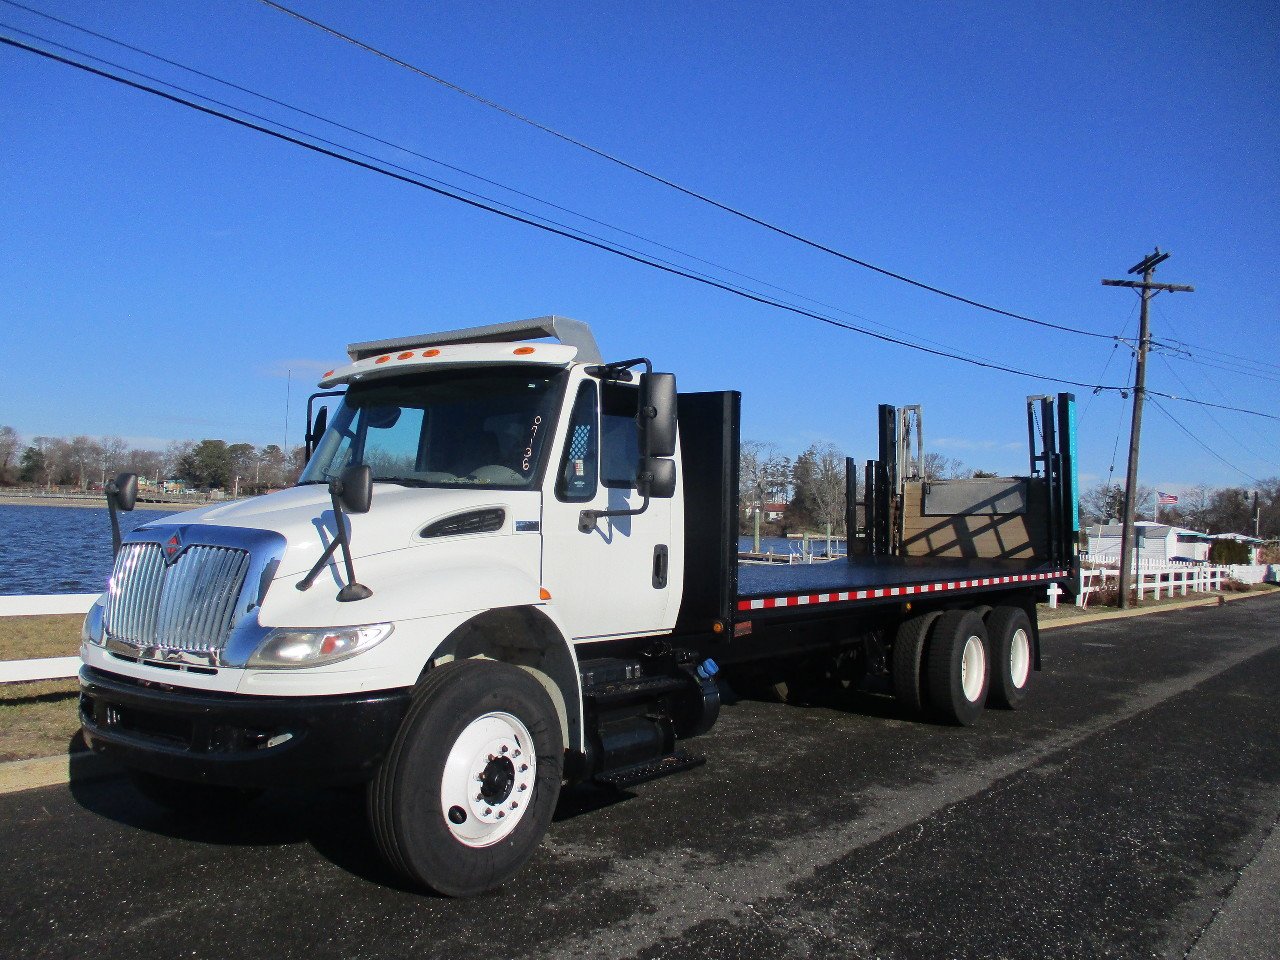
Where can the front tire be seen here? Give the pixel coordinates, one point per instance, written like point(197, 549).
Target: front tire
point(468, 788)
point(959, 674)
point(1011, 656)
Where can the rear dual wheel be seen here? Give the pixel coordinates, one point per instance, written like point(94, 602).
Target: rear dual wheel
point(957, 672)
point(1011, 656)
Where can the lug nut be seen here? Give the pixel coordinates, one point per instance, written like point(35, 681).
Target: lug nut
point(514, 804)
point(488, 811)
point(524, 767)
point(501, 814)
point(524, 787)
point(516, 754)
point(504, 748)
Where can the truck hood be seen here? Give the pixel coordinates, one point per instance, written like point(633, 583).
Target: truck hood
point(304, 517)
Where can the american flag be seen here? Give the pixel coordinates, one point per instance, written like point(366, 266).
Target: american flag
point(1163, 498)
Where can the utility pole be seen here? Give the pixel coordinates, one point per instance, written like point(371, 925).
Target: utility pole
point(1146, 289)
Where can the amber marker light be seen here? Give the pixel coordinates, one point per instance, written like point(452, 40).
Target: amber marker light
point(328, 375)
point(383, 359)
point(431, 353)
point(544, 593)
point(405, 356)
point(522, 351)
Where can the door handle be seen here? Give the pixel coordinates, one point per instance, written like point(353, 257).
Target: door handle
point(660, 566)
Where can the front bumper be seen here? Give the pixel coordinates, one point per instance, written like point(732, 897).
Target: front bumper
point(238, 740)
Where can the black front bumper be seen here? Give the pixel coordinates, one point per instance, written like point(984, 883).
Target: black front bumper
point(238, 740)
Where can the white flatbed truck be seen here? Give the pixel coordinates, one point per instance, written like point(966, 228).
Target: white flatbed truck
point(510, 565)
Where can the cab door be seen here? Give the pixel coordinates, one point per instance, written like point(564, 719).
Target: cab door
point(615, 579)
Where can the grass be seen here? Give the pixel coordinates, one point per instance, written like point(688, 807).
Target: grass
point(38, 719)
point(26, 638)
point(1067, 609)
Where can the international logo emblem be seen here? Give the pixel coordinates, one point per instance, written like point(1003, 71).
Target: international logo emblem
point(172, 547)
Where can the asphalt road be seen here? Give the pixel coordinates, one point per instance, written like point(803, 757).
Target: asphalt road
point(1127, 811)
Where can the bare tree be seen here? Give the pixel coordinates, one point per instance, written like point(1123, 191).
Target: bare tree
point(9, 444)
point(936, 466)
point(829, 488)
point(112, 454)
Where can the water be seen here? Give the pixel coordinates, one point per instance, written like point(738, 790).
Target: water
point(59, 549)
point(68, 549)
point(783, 545)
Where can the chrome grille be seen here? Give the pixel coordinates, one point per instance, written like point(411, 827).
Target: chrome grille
point(189, 605)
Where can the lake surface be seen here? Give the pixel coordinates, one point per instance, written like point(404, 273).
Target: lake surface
point(68, 549)
point(59, 549)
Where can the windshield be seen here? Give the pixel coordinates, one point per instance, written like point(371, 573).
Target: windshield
point(452, 428)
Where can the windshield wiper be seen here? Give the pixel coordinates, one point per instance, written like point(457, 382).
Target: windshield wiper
point(404, 481)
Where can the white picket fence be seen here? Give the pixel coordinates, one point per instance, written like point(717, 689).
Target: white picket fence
point(45, 668)
point(1156, 580)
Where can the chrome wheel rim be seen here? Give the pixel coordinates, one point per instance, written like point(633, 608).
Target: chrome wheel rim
point(488, 779)
point(973, 668)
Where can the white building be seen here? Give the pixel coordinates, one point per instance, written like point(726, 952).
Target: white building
point(1157, 542)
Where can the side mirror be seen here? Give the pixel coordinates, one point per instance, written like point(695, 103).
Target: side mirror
point(316, 431)
point(124, 489)
point(354, 489)
point(656, 478)
point(657, 415)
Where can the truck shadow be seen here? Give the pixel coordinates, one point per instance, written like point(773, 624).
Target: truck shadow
point(870, 697)
point(331, 821)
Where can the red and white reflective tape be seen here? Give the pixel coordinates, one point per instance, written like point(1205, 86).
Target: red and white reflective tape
point(807, 599)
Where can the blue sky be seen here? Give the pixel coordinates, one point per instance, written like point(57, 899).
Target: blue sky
point(162, 269)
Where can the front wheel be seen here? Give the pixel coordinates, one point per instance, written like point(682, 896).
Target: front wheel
point(469, 786)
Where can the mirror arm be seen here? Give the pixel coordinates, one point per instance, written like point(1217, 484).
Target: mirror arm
point(619, 370)
point(352, 590)
point(587, 518)
point(111, 491)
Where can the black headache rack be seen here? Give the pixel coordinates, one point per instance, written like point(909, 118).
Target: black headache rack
point(913, 539)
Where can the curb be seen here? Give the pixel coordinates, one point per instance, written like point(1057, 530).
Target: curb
point(1164, 608)
point(16, 775)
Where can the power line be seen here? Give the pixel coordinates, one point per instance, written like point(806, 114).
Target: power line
point(567, 233)
point(422, 156)
point(687, 191)
point(1216, 421)
point(527, 220)
point(1178, 423)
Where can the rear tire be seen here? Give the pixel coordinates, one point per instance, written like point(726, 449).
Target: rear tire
point(909, 684)
point(468, 788)
point(1011, 655)
point(959, 674)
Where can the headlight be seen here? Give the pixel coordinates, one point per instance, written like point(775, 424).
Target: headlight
point(286, 647)
point(92, 631)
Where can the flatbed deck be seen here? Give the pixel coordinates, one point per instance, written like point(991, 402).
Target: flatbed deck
point(878, 580)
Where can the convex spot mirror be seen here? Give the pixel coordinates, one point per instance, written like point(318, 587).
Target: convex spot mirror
point(354, 489)
point(125, 490)
point(657, 415)
point(657, 478)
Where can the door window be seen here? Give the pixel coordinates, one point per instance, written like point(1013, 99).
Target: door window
point(620, 441)
point(576, 481)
